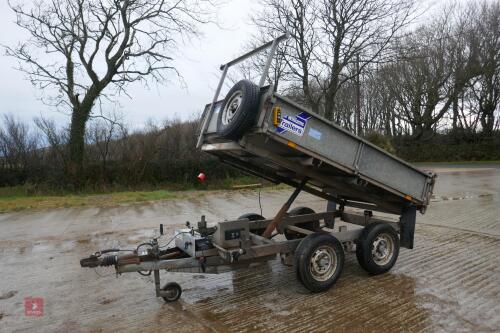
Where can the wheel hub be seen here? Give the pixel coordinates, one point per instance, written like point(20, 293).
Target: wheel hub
point(171, 293)
point(323, 263)
point(383, 249)
point(232, 107)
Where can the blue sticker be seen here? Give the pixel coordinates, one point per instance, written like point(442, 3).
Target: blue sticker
point(295, 125)
point(314, 133)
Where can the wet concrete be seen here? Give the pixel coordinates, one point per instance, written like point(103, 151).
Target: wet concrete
point(449, 282)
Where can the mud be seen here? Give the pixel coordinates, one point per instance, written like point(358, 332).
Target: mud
point(448, 283)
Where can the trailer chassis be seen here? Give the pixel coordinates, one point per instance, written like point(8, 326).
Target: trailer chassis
point(217, 249)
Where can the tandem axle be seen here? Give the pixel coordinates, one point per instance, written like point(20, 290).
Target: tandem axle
point(312, 246)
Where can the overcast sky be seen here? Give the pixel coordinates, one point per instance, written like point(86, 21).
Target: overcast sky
point(198, 63)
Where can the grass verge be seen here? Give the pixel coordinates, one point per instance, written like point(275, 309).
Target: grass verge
point(29, 197)
point(19, 203)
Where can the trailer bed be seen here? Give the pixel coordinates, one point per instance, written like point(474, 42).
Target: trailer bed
point(340, 166)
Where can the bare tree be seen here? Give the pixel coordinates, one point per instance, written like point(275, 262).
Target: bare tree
point(55, 141)
point(90, 49)
point(326, 38)
point(298, 18)
point(101, 134)
point(356, 28)
point(486, 89)
point(251, 68)
point(18, 144)
point(436, 64)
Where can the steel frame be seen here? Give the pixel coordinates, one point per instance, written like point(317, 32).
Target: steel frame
point(272, 44)
point(261, 248)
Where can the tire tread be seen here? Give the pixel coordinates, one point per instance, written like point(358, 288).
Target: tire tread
point(245, 117)
point(364, 244)
point(301, 262)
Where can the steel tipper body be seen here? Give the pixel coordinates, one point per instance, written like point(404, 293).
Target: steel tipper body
point(256, 130)
point(288, 142)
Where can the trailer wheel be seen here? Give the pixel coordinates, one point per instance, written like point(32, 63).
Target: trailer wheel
point(319, 260)
point(238, 111)
point(254, 217)
point(311, 225)
point(378, 248)
point(173, 290)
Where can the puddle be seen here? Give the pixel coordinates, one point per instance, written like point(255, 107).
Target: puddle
point(67, 245)
point(447, 283)
point(41, 247)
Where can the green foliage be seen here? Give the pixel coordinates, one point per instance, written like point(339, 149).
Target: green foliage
point(165, 158)
point(447, 148)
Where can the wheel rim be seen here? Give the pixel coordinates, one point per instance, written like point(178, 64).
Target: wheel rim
point(172, 293)
point(323, 263)
point(232, 107)
point(383, 249)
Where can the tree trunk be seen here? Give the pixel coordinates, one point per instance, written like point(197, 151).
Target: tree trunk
point(487, 118)
point(455, 115)
point(330, 101)
point(329, 108)
point(77, 146)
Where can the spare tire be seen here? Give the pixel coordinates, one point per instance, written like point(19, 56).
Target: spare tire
point(238, 111)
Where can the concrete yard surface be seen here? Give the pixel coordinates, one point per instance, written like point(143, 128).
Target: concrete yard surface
point(450, 282)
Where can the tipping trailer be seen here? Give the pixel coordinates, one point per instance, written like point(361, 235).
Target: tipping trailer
point(265, 134)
